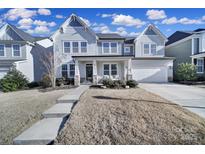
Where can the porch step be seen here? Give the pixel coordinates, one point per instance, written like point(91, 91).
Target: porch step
point(41, 133)
point(59, 110)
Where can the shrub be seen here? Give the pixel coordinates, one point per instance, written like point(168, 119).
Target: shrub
point(46, 82)
point(108, 83)
point(60, 81)
point(119, 84)
point(33, 84)
point(13, 81)
point(186, 72)
point(132, 83)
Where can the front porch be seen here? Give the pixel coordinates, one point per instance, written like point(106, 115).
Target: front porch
point(92, 70)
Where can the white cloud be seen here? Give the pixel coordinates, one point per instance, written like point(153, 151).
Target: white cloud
point(184, 21)
point(108, 15)
point(25, 23)
point(169, 21)
point(156, 14)
point(58, 16)
point(127, 20)
point(39, 30)
point(44, 23)
point(87, 22)
point(14, 14)
point(45, 12)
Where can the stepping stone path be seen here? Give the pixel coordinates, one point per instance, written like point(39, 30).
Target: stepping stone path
point(46, 130)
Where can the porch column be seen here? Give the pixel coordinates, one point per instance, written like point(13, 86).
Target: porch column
point(95, 77)
point(125, 70)
point(77, 74)
point(129, 69)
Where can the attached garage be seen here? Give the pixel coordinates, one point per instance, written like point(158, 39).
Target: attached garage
point(151, 70)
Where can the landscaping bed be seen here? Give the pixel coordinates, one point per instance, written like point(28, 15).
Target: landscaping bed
point(130, 116)
point(19, 110)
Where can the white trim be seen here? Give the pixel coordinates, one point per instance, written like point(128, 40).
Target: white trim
point(200, 65)
point(110, 52)
point(71, 46)
point(20, 54)
point(150, 44)
point(4, 51)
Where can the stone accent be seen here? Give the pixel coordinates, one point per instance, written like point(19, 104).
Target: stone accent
point(95, 79)
point(77, 80)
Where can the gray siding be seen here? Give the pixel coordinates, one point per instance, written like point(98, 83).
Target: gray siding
point(181, 52)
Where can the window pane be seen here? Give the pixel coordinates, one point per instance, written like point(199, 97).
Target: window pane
point(1, 50)
point(16, 47)
point(113, 66)
point(75, 47)
point(113, 72)
point(114, 47)
point(72, 70)
point(16, 50)
point(64, 71)
point(83, 46)
point(106, 66)
point(146, 48)
point(64, 67)
point(153, 49)
point(106, 47)
point(127, 49)
point(113, 69)
point(66, 44)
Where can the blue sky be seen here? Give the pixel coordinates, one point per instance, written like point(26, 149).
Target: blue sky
point(127, 22)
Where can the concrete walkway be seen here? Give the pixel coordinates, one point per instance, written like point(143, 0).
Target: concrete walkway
point(192, 98)
point(46, 130)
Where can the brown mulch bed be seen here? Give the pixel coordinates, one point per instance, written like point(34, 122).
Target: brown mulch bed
point(130, 116)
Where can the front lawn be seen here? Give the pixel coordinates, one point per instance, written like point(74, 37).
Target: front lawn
point(19, 110)
point(130, 116)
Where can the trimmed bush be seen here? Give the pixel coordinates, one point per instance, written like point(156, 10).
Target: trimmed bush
point(33, 84)
point(46, 82)
point(108, 83)
point(132, 83)
point(13, 81)
point(186, 72)
point(119, 84)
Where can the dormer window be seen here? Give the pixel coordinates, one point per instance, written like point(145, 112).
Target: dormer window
point(75, 47)
point(16, 50)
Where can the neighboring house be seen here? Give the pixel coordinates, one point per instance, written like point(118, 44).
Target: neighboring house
point(187, 47)
point(87, 56)
point(17, 50)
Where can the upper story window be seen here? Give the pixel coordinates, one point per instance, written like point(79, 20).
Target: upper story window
point(75, 47)
point(83, 47)
point(150, 49)
point(2, 50)
point(200, 65)
point(64, 71)
point(109, 47)
point(66, 47)
point(195, 45)
point(127, 49)
point(16, 50)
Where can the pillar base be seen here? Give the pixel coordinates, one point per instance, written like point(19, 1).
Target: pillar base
point(95, 79)
point(77, 80)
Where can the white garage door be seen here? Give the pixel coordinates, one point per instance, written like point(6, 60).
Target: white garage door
point(152, 73)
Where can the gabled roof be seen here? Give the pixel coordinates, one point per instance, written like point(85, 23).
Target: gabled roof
point(109, 36)
point(155, 29)
point(68, 20)
point(25, 36)
point(178, 35)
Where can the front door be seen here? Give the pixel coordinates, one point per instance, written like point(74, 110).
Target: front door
point(89, 72)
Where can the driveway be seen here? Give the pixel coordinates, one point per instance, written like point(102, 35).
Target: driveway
point(192, 98)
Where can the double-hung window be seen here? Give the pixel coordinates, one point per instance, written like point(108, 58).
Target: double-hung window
point(83, 47)
point(64, 71)
point(75, 47)
point(72, 70)
point(113, 46)
point(16, 50)
point(2, 51)
point(106, 47)
point(66, 47)
point(200, 65)
point(110, 69)
point(150, 49)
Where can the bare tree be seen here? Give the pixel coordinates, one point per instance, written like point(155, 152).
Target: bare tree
point(51, 62)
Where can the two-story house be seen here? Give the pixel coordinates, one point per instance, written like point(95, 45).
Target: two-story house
point(87, 56)
point(188, 47)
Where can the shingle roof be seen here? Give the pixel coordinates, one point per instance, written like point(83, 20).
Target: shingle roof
point(129, 40)
point(25, 36)
point(109, 36)
point(178, 35)
point(199, 30)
